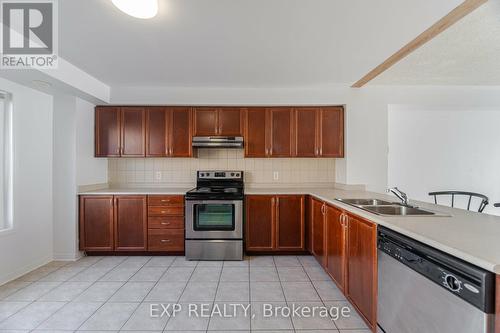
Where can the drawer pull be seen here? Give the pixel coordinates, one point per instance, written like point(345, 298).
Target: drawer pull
point(165, 200)
point(165, 223)
point(165, 240)
point(163, 211)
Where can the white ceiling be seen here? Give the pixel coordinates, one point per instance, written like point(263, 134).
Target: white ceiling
point(468, 53)
point(241, 43)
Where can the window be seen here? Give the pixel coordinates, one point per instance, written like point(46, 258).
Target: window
point(6, 161)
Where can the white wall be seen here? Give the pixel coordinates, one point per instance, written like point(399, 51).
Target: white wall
point(30, 243)
point(434, 149)
point(64, 179)
point(89, 170)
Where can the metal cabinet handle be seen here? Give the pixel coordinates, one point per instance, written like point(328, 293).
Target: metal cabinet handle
point(165, 240)
point(163, 211)
point(165, 200)
point(165, 223)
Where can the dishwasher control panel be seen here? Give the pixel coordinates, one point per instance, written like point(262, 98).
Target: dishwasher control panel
point(469, 282)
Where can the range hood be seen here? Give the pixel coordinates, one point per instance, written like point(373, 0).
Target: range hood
point(218, 142)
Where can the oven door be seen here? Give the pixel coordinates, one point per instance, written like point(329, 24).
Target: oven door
point(214, 219)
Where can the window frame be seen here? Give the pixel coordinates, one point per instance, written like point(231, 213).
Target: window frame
point(7, 223)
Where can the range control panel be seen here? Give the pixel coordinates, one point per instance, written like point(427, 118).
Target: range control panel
point(220, 175)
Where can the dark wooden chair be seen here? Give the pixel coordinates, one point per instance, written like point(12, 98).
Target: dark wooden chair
point(484, 199)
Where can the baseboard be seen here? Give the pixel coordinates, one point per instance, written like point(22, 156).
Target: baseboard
point(24, 270)
point(68, 256)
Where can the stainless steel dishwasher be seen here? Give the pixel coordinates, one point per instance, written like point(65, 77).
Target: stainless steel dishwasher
point(421, 289)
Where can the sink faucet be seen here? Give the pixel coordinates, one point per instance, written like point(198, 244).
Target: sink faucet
point(400, 194)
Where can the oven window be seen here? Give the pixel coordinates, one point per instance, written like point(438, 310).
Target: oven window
point(214, 217)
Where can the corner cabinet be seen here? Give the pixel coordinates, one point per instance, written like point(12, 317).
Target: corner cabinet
point(275, 223)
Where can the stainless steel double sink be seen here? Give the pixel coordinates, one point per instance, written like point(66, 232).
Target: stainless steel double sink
point(386, 208)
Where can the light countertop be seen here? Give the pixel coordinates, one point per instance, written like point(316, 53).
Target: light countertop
point(139, 191)
point(470, 236)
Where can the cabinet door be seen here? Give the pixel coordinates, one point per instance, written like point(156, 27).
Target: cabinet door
point(259, 223)
point(362, 266)
point(205, 121)
point(332, 132)
point(107, 131)
point(157, 124)
point(335, 245)
point(130, 223)
point(133, 131)
point(281, 132)
point(230, 121)
point(290, 228)
point(306, 132)
point(255, 132)
point(318, 231)
point(96, 223)
point(180, 132)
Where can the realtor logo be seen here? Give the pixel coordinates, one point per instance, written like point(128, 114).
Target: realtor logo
point(29, 38)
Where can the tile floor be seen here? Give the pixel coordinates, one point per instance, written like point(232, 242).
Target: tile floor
point(115, 294)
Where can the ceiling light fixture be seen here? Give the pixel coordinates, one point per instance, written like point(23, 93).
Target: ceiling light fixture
point(143, 9)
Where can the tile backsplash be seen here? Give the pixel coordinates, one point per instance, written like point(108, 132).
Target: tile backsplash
point(258, 171)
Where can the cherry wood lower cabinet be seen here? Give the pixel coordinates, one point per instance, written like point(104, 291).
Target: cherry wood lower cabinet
point(275, 223)
point(126, 223)
point(336, 245)
point(361, 284)
point(318, 231)
point(166, 223)
point(130, 225)
point(346, 246)
point(96, 223)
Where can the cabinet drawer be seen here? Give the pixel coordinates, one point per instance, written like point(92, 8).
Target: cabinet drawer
point(166, 240)
point(165, 211)
point(165, 200)
point(170, 222)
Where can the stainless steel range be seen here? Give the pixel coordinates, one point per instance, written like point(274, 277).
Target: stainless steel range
point(214, 216)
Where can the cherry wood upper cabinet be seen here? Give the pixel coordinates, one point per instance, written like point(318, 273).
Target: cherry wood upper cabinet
point(361, 286)
point(259, 222)
point(281, 132)
point(230, 121)
point(290, 226)
point(96, 223)
point(335, 245)
point(306, 132)
point(205, 121)
point(130, 223)
point(331, 134)
point(133, 131)
point(157, 125)
point(107, 131)
point(256, 132)
point(318, 231)
point(168, 132)
point(223, 121)
point(180, 132)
